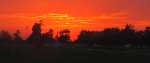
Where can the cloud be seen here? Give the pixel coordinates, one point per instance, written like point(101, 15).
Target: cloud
point(136, 9)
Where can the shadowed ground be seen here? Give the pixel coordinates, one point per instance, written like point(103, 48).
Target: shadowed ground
point(64, 55)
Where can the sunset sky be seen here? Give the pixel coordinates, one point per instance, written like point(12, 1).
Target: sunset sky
point(75, 15)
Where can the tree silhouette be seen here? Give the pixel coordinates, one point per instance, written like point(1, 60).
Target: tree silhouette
point(86, 37)
point(110, 36)
point(36, 36)
point(5, 37)
point(17, 37)
point(147, 36)
point(64, 37)
point(48, 37)
point(113, 37)
point(127, 37)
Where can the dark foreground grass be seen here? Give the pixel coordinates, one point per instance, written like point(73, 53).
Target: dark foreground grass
point(72, 55)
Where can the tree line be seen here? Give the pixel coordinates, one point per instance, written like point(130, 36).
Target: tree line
point(127, 37)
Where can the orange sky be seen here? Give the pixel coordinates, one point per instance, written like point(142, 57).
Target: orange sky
point(75, 15)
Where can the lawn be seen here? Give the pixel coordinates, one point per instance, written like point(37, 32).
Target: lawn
point(73, 55)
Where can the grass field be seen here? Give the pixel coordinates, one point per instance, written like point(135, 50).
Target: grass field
point(73, 55)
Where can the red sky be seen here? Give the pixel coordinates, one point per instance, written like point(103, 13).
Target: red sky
point(73, 14)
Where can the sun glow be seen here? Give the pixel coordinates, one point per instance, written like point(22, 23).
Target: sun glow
point(60, 21)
